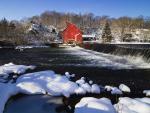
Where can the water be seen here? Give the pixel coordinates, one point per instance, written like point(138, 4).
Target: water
point(35, 104)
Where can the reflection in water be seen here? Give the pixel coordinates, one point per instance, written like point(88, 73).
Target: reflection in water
point(37, 104)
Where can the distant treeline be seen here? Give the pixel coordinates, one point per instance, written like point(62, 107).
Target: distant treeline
point(16, 31)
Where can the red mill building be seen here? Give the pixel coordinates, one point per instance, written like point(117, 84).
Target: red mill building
point(72, 34)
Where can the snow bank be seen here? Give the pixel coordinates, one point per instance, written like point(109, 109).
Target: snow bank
point(93, 105)
point(12, 68)
point(128, 105)
point(6, 91)
point(147, 92)
point(124, 88)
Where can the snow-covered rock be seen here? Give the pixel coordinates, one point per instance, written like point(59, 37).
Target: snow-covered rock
point(12, 68)
point(9, 68)
point(46, 81)
point(86, 87)
point(147, 92)
point(80, 81)
point(114, 90)
point(95, 89)
point(80, 90)
point(68, 75)
point(91, 82)
point(93, 105)
point(128, 105)
point(6, 91)
point(124, 88)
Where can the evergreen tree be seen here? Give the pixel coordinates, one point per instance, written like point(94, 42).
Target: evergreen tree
point(106, 36)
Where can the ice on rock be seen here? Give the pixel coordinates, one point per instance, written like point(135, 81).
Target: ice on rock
point(124, 88)
point(93, 105)
point(147, 92)
point(128, 105)
point(95, 89)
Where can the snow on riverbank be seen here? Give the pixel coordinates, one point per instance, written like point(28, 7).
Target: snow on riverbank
point(9, 68)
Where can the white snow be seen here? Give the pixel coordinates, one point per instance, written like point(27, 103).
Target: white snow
point(12, 68)
point(80, 81)
point(95, 89)
point(46, 81)
point(147, 92)
point(114, 90)
point(68, 75)
point(93, 105)
point(9, 68)
point(80, 90)
point(86, 87)
point(124, 88)
point(6, 91)
point(128, 105)
point(30, 47)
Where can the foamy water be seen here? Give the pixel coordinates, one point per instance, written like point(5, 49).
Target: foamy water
point(99, 59)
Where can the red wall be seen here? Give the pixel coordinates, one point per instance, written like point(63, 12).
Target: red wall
point(72, 32)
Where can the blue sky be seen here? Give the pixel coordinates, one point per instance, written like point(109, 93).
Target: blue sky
point(18, 9)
